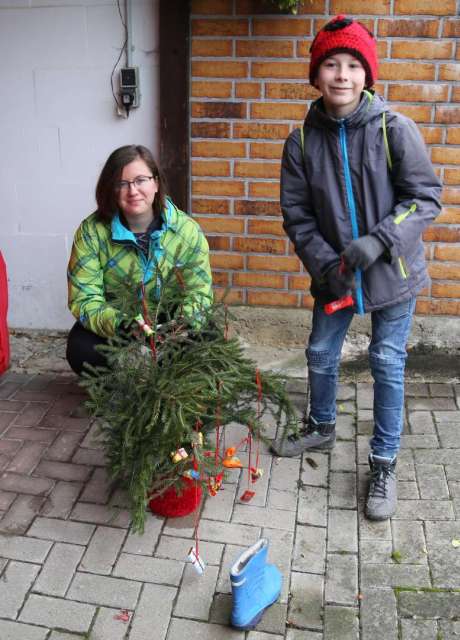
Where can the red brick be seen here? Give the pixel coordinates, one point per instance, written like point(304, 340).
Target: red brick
point(445, 155)
point(273, 263)
point(438, 307)
point(259, 245)
point(224, 27)
point(415, 112)
point(447, 115)
point(229, 297)
point(227, 261)
point(441, 234)
point(451, 28)
point(211, 89)
point(449, 215)
point(290, 91)
point(211, 205)
point(265, 48)
point(307, 302)
point(266, 150)
point(282, 70)
point(226, 110)
point(301, 283)
point(277, 111)
point(221, 224)
point(264, 190)
point(443, 290)
point(377, 7)
point(413, 28)
point(255, 7)
point(431, 135)
point(450, 195)
point(442, 271)
point(425, 7)
point(260, 130)
point(266, 227)
point(446, 252)
point(210, 130)
point(257, 208)
point(312, 6)
point(272, 299)
point(303, 47)
point(422, 49)
point(212, 48)
point(220, 278)
point(267, 281)
point(449, 72)
point(257, 169)
point(219, 149)
point(220, 69)
point(452, 176)
point(406, 71)
point(248, 89)
point(210, 168)
point(217, 7)
point(453, 135)
point(217, 187)
point(218, 243)
point(418, 92)
point(282, 27)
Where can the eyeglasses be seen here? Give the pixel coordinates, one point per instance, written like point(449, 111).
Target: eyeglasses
point(139, 182)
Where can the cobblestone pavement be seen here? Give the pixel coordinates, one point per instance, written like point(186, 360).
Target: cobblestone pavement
point(70, 568)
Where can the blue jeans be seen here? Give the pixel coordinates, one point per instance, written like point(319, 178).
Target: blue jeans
point(387, 358)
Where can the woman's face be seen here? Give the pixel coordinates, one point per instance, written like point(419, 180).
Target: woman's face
point(136, 189)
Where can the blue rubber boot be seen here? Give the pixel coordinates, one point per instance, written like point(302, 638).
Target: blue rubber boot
point(255, 585)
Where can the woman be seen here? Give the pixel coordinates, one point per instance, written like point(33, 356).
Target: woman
point(136, 231)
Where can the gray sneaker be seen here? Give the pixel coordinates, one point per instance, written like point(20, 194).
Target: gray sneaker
point(382, 497)
point(316, 436)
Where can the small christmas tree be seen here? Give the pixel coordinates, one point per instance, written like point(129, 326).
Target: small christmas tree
point(169, 384)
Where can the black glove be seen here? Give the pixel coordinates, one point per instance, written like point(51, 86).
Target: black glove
point(340, 281)
point(363, 252)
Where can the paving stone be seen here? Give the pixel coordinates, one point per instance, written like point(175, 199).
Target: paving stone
point(342, 531)
point(285, 474)
point(14, 585)
point(26, 433)
point(228, 532)
point(220, 507)
point(103, 550)
point(260, 635)
point(91, 457)
point(342, 579)
point(59, 569)
point(196, 593)
point(341, 623)
point(312, 506)
point(62, 471)
point(449, 630)
point(364, 395)
point(279, 553)
point(145, 543)
point(94, 438)
point(147, 569)
point(408, 491)
point(17, 631)
point(309, 549)
point(454, 489)
point(101, 514)
point(431, 404)
point(432, 482)
point(429, 604)
point(64, 446)
point(421, 422)
point(405, 469)
point(11, 405)
point(25, 484)
point(60, 531)
point(424, 510)
point(65, 423)
point(395, 575)
point(375, 551)
point(305, 607)
point(447, 417)
point(342, 493)
point(260, 487)
point(297, 634)
point(419, 441)
point(9, 447)
point(61, 500)
point(192, 630)
point(6, 499)
point(365, 427)
point(378, 611)
point(24, 549)
point(102, 590)
point(449, 434)
point(315, 469)
point(20, 514)
point(109, 625)
point(284, 500)
point(445, 565)
point(345, 427)
point(418, 629)
point(343, 457)
point(373, 530)
point(231, 554)
point(56, 612)
point(182, 527)
point(32, 414)
point(409, 541)
point(264, 517)
point(148, 618)
point(363, 449)
point(179, 548)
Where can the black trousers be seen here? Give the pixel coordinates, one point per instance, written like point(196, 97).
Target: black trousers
point(81, 345)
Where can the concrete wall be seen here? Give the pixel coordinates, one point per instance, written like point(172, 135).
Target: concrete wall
point(58, 126)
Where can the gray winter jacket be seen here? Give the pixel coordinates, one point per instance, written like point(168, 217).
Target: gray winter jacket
point(366, 173)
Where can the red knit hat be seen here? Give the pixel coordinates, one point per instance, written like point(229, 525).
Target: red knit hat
point(344, 35)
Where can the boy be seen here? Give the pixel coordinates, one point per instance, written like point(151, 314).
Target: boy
point(357, 191)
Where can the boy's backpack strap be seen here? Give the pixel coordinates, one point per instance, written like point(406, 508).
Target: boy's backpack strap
point(385, 141)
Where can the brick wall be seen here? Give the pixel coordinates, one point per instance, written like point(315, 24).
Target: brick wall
point(249, 90)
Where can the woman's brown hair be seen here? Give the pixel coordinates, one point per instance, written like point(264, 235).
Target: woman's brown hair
point(106, 188)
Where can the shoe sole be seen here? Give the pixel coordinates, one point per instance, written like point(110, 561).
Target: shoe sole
point(378, 518)
point(321, 447)
point(255, 621)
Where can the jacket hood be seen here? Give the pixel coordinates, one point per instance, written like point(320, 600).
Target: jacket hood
point(371, 106)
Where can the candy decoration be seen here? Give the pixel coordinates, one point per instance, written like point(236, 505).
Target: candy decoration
point(214, 484)
point(231, 461)
point(247, 496)
point(179, 455)
point(147, 329)
point(192, 474)
point(196, 561)
point(256, 473)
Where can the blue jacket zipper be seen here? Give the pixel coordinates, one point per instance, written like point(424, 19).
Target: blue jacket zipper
point(352, 213)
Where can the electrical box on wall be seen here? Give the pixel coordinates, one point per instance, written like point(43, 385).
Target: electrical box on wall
point(129, 87)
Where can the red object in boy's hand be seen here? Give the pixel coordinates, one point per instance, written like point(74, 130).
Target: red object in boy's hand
point(336, 305)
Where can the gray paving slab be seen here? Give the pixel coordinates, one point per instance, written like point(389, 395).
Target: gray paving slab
point(104, 590)
point(18, 631)
point(148, 618)
point(57, 613)
point(16, 581)
point(58, 570)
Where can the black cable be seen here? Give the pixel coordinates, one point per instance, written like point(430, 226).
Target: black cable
point(121, 53)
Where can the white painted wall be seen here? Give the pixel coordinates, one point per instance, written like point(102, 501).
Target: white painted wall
point(58, 124)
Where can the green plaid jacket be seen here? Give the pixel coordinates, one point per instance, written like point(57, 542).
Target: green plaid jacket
point(104, 254)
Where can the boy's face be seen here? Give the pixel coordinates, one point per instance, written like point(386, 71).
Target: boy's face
point(341, 79)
